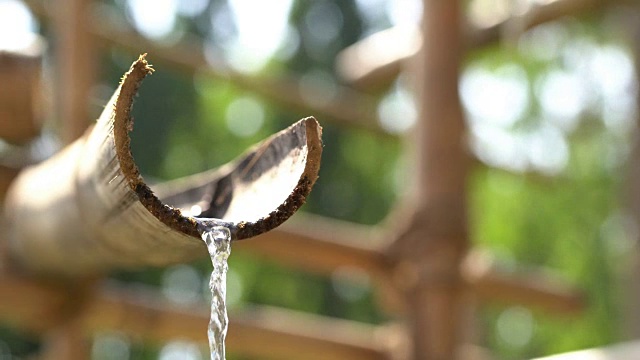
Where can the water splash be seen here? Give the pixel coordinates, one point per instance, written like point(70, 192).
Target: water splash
point(218, 240)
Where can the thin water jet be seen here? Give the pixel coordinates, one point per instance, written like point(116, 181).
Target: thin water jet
point(218, 241)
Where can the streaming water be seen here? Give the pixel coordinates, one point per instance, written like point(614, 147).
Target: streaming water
point(218, 240)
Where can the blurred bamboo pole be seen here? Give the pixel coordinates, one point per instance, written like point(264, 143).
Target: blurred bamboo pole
point(67, 339)
point(331, 245)
point(144, 314)
point(74, 63)
point(66, 342)
point(21, 102)
point(344, 105)
point(431, 248)
point(368, 72)
point(21, 93)
point(76, 70)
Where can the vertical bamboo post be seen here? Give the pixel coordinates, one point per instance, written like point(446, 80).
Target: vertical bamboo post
point(75, 77)
point(20, 93)
point(66, 342)
point(75, 59)
point(442, 158)
point(20, 101)
point(432, 247)
point(68, 339)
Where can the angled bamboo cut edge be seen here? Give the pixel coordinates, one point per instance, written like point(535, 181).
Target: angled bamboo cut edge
point(88, 210)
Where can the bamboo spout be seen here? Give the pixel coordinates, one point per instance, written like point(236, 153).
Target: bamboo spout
point(87, 209)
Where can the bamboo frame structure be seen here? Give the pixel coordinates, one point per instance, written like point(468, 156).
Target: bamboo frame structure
point(428, 270)
point(363, 69)
point(76, 59)
point(139, 312)
point(347, 106)
point(430, 250)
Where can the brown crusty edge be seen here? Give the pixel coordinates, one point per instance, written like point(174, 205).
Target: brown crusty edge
point(301, 140)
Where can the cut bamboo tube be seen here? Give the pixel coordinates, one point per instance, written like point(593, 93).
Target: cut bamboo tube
point(87, 209)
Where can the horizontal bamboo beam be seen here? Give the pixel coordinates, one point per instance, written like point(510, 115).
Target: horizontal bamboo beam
point(321, 245)
point(143, 314)
point(287, 335)
point(278, 334)
point(374, 62)
point(344, 105)
point(534, 288)
point(364, 67)
point(531, 289)
point(534, 15)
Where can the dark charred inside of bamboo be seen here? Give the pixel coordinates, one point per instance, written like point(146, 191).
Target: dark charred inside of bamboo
point(87, 209)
